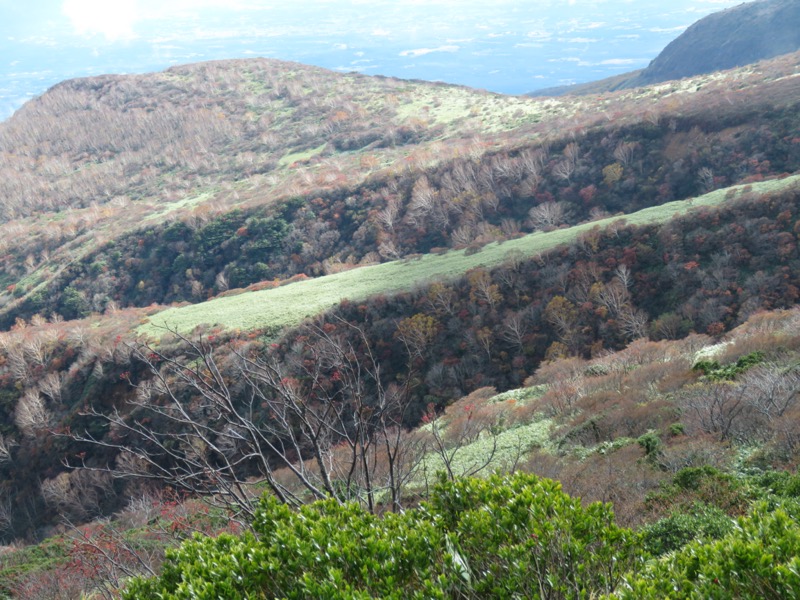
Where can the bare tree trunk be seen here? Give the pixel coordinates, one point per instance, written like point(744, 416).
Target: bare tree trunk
point(221, 429)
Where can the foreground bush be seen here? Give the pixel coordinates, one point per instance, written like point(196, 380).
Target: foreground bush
point(506, 537)
point(679, 528)
point(760, 559)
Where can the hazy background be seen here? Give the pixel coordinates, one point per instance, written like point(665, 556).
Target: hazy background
point(508, 46)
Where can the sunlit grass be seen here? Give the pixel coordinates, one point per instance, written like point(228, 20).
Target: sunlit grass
point(502, 446)
point(298, 156)
point(501, 451)
point(449, 106)
point(188, 202)
point(287, 306)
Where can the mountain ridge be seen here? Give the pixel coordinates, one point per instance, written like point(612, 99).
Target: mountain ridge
point(730, 38)
point(266, 165)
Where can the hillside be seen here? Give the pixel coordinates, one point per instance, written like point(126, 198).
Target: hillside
point(737, 36)
point(668, 483)
point(287, 306)
point(744, 34)
point(705, 270)
point(190, 256)
point(94, 160)
point(192, 227)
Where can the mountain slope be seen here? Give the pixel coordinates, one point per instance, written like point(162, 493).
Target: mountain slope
point(730, 38)
point(733, 37)
point(287, 306)
point(136, 138)
point(95, 159)
point(704, 270)
point(535, 236)
point(447, 168)
point(266, 189)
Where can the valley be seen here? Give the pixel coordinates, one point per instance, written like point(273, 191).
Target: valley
point(251, 277)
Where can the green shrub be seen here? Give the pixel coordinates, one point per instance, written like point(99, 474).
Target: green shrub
point(713, 371)
point(760, 559)
point(651, 444)
point(679, 528)
point(505, 537)
point(693, 478)
point(677, 429)
point(705, 485)
point(779, 483)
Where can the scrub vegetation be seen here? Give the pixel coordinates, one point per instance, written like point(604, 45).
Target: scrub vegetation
point(253, 311)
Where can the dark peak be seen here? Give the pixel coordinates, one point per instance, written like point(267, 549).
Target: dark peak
point(730, 38)
point(727, 39)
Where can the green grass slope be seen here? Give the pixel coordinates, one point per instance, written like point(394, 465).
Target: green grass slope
point(98, 160)
point(286, 306)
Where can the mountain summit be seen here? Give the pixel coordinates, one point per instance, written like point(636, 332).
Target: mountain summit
point(730, 38)
point(726, 39)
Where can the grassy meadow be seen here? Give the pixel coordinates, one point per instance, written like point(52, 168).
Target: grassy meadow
point(286, 306)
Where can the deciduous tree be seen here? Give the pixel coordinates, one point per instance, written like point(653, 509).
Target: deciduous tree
point(318, 423)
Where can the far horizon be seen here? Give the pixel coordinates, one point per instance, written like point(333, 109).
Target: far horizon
point(510, 47)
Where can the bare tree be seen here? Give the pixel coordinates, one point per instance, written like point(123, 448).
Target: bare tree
point(317, 423)
point(515, 328)
point(705, 177)
point(624, 275)
point(571, 153)
point(462, 236)
point(633, 322)
point(38, 350)
point(52, 386)
point(614, 296)
point(447, 442)
point(441, 299)
point(718, 408)
point(77, 494)
point(624, 152)
point(388, 249)
point(546, 215)
point(31, 415)
point(564, 170)
point(533, 161)
point(771, 391)
point(221, 281)
point(6, 445)
point(17, 364)
point(417, 334)
point(482, 288)
point(6, 513)
point(424, 199)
